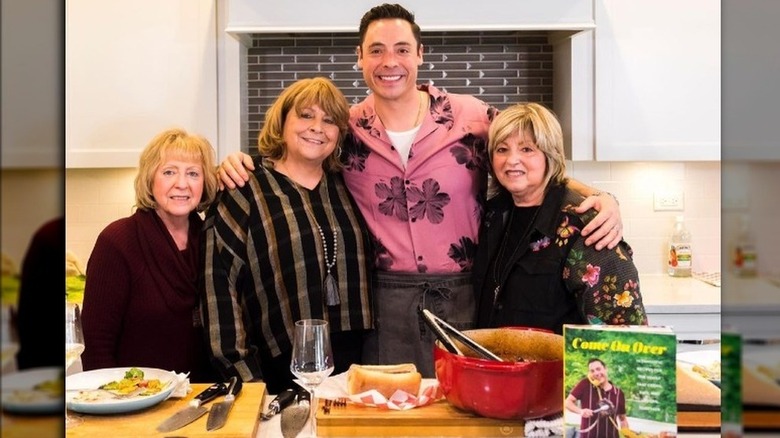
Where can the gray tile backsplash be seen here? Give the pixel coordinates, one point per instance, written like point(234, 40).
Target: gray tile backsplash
point(500, 67)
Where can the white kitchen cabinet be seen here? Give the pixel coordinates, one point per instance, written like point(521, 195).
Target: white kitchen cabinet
point(249, 16)
point(750, 72)
point(657, 80)
point(693, 326)
point(31, 107)
point(133, 69)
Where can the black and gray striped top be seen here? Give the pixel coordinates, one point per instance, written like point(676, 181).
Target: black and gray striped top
point(265, 266)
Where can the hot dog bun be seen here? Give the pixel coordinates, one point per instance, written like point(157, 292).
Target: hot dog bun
point(759, 385)
point(694, 389)
point(384, 378)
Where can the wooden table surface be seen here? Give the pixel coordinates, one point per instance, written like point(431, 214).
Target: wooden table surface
point(439, 419)
point(242, 421)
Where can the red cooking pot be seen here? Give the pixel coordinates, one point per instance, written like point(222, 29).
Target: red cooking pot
point(525, 389)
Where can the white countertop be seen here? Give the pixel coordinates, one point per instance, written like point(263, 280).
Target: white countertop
point(751, 307)
point(664, 294)
point(757, 294)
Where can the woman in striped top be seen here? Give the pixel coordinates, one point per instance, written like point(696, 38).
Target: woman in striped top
point(288, 245)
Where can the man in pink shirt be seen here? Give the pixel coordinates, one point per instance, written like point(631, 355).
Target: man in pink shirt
point(415, 162)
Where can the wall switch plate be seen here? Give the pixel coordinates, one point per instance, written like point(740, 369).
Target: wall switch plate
point(668, 200)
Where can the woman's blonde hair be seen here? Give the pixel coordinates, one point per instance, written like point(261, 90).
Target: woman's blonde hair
point(545, 130)
point(175, 143)
point(301, 94)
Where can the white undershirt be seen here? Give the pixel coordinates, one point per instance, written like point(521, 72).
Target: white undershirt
point(402, 141)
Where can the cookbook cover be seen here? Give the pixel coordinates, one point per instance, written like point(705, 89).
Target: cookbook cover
point(619, 381)
point(731, 383)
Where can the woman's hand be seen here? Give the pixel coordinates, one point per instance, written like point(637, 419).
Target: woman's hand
point(233, 171)
point(606, 229)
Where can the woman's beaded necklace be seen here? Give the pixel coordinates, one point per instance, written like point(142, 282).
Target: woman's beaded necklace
point(331, 287)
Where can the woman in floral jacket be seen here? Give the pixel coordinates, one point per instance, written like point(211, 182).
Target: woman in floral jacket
point(532, 267)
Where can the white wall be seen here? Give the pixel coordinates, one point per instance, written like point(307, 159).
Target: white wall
point(95, 197)
point(646, 230)
point(750, 190)
point(31, 197)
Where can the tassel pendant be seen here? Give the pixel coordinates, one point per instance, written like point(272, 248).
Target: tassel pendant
point(331, 291)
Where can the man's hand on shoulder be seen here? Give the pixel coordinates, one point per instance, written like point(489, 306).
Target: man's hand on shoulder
point(606, 228)
point(234, 170)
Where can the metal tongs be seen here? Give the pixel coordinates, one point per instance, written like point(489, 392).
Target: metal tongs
point(441, 328)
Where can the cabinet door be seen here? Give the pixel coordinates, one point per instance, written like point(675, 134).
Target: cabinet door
point(344, 15)
point(657, 80)
point(133, 69)
point(689, 326)
point(31, 104)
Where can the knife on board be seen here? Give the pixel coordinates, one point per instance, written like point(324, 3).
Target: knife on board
point(194, 410)
point(219, 411)
point(280, 402)
point(294, 417)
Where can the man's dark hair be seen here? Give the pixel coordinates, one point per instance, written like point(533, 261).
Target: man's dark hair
point(595, 359)
point(388, 11)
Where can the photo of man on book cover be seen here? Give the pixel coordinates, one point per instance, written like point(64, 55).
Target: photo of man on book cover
point(600, 404)
point(619, 381)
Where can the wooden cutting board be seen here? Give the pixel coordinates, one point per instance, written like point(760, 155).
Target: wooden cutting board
point(698, 417)
point(242, 421)
point(437, 419)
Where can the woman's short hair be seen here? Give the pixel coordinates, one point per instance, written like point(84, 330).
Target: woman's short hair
point(302, 94)
point(545, 130)
point(175, 144)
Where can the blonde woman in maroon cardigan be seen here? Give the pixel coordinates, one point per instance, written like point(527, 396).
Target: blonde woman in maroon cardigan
point(140, 298)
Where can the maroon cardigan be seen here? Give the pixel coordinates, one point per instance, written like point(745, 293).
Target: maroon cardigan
point(140, 297)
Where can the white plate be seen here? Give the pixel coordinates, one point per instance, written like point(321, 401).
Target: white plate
point(705, 358)
point(94, 378)
point(701, 357)
point(766, 356)
point(20, 398)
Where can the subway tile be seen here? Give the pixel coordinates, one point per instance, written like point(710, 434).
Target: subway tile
point(446, 52)
point(589, 171)
point(655, 171)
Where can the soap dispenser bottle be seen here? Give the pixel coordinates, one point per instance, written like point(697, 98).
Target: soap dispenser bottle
point(680, 250)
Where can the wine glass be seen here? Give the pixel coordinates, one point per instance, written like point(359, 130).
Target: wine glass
point(312, 358)
point(74, 346)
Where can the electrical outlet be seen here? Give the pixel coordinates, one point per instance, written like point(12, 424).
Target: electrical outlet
point(668, 200)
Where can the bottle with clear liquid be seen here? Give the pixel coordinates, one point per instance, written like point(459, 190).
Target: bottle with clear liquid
point(744, 251)
point(680, 250)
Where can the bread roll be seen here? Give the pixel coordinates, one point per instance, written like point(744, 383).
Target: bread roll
point(759, 385)
point(386, 379)
point(694, 389)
